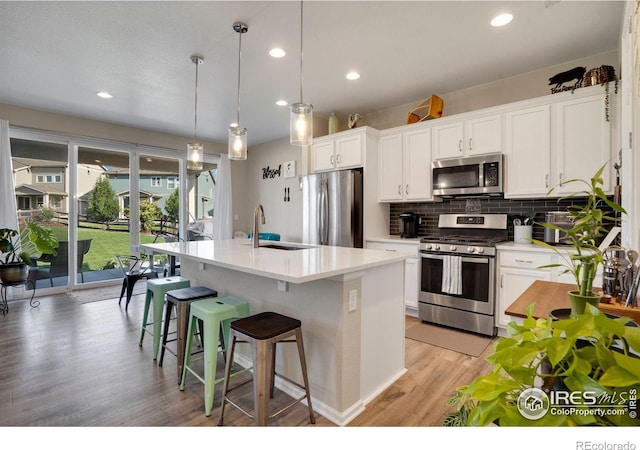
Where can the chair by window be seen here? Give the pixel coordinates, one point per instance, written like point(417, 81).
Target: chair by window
point(59, 263)
point(133, 269)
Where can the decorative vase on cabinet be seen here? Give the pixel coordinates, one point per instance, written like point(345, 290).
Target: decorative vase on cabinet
point(333, 123)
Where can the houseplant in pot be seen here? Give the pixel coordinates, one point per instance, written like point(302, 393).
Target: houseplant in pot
point(14, 257)
point(583, 371)
point(590, 223)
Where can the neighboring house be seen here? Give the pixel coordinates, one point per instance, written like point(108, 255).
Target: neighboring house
point(42, 183)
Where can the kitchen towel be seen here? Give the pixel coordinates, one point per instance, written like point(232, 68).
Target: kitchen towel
point(446, 273)
point(455, 278)
point(452, 274)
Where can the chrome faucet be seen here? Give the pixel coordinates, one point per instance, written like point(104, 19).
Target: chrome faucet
point(258, 211)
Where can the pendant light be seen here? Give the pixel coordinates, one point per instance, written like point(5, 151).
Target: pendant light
point(194, 149)
point(301, 117)
point(238, 134)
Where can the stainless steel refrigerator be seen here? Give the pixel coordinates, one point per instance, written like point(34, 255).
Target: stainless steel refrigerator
point(332, 208)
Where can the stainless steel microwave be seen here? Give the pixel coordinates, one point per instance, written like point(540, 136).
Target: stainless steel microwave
point(472, 175)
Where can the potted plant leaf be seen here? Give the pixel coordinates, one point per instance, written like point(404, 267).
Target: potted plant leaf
point(590, 223)
point(14, 258)
point(581, 371)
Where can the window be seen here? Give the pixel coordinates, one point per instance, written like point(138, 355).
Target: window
point(24, 202)
point(172, 182)
point(48, 178)
point(156, 182)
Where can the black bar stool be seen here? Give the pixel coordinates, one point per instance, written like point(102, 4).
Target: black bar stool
point(263, 331)
point(181, 299)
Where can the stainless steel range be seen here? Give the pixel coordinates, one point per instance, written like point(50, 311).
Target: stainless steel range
point(458, 273)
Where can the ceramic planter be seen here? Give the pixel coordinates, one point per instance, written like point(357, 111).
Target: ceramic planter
point(579, 302)
point(14, 273)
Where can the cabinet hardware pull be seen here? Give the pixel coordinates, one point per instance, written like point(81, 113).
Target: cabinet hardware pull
point(560, 177)
point(470, 146)
point(399, 189)
point(389, 250)
point(524, 261)
point(331, 159)
point(501, 278)
point(406, 189)
point(339, 159)
point(460, 145)
point(546, 180)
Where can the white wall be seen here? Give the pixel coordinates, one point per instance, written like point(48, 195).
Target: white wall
point(282, 217)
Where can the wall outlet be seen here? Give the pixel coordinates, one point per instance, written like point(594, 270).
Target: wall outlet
point(283, 286)
point(353, 300)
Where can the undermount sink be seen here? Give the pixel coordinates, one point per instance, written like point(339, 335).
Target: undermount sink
point(282, 247)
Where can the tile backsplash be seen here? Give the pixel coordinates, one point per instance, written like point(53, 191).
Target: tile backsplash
point(429, 212)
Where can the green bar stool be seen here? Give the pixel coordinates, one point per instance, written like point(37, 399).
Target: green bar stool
point(213, 313)
point(263, 331)
point(156, 289)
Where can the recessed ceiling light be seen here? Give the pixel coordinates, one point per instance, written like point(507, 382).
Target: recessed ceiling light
point(149, 159)
point(501, 20)
point(98, 161)
point(281, 103)
point(353, 76)
point(277, 52)
point(104, 95)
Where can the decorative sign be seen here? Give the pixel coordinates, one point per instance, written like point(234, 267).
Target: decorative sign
point(577, 73)
point(268, 172)
point(289, 169)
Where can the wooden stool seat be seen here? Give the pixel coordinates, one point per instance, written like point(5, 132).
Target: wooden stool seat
point(265, 325)
point(156, 289)
point(263, 331)
point(180, 299)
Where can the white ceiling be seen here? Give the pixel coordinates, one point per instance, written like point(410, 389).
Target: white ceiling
point(55, 56)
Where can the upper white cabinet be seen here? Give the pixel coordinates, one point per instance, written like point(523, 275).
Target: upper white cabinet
point(557, 138)
point(472, 136)
point(583, 142)
point(404, 166)
point(338, 151)
point(528, 148)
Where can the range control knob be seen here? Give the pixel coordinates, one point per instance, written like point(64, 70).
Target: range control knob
point(453, 248)
point(427, 246)
point(436, 247)
point(471, 249)
point(480, 250)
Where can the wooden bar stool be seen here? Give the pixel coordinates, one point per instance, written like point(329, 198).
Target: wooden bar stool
point(263, 331)
point(180, 299)
point(156, 289)
point(214, 313)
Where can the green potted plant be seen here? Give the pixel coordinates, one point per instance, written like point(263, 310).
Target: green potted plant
point(14, 257)
point(590, 223)
point(578, 371)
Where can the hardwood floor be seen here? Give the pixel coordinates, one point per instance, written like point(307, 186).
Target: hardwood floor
point(70, 364)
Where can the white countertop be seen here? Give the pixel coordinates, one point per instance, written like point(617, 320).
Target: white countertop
point(396, 239)
point(295, 266)
point(531, 247)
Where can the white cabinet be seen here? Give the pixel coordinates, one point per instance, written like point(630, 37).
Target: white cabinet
point(411, 268)
point(583, 142)
point(528, 151)
point(517, 270)
point(473, 136)
point(557, 138)
point(404, 166)
point(338, 151)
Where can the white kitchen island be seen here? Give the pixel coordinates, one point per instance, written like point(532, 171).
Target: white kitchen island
point(350, 302)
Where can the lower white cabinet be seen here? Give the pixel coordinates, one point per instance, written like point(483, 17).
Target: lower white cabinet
point(411, 268)
point(517, 270)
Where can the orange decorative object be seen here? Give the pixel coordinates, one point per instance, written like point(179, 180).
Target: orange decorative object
point(429, 109)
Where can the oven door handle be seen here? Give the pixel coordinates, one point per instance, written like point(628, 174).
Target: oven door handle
point(478, 260)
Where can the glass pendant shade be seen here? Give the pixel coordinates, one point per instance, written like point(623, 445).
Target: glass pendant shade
point(195, 155)
point(237, 143)
point(301, 124)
